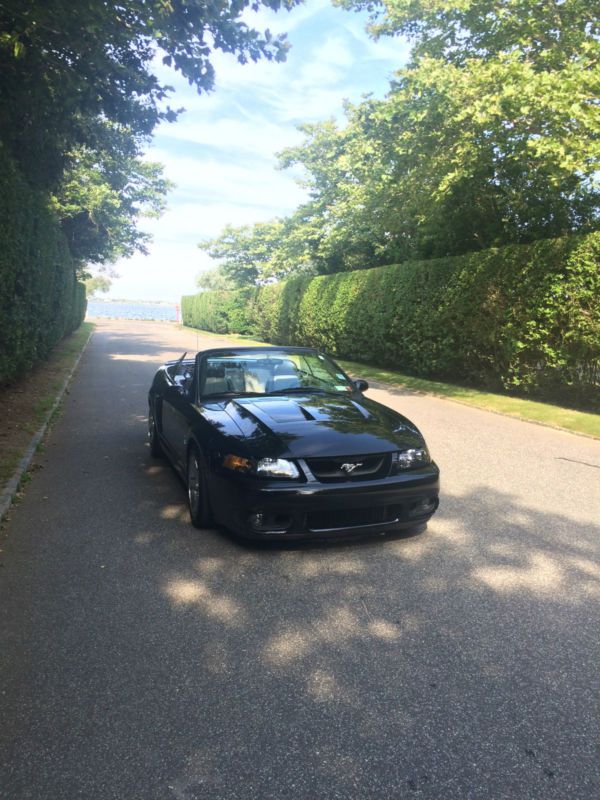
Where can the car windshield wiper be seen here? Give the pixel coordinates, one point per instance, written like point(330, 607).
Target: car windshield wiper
point(302, 390)
point(232, 393)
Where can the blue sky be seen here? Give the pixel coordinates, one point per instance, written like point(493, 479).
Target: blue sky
point(221, 151)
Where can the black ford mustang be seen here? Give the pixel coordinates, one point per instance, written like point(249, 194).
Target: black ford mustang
point(278, 442)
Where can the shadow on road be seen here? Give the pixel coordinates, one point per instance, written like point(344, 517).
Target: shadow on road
point(319, 650)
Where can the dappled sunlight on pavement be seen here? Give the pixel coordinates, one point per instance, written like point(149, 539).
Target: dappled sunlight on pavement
point(195, 592)
point(541, 575)
point(336, 627)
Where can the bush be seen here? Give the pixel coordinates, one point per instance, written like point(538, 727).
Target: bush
point(523, 318)
point(40, 298)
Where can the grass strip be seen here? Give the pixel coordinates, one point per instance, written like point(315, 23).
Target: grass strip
point(27, 403)
point(548, 414)
point(531, 410)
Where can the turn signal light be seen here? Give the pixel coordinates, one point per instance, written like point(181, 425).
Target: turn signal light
point(238, 463)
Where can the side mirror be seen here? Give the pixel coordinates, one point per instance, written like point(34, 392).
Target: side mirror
point(360, 385)
point(181, 385)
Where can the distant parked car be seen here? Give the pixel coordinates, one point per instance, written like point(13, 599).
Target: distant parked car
point(278, 442)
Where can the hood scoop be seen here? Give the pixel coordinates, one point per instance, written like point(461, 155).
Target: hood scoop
point(306, 413)
point(274, 409)
point(307, 408)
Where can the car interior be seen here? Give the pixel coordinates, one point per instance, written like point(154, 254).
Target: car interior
point(182, 374)
point(262, 376)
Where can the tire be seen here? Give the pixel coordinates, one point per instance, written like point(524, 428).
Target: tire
point(198, 501)
point(156, 450)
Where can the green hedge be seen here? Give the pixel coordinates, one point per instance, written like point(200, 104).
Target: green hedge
point(40, 298)
point(524, 318)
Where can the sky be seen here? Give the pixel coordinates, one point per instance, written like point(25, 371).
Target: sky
point(221, 152)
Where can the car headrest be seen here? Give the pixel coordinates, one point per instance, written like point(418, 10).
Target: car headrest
point(285, 368)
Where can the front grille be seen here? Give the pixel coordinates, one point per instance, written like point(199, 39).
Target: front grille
point(352, 517)
point(350, 468)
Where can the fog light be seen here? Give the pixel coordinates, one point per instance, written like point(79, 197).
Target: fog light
point(270, 521)
point(425, 506)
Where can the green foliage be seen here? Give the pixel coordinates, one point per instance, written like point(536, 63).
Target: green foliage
point(79, 101)
point(102, 195)
point(67, 68)
point(490, 136)
point(222, 310)
point(456, 158)
point(257, 254)
point(97, 284)
point(550, 33)
point(40, 299)
point(214, 280)
point(524, 318)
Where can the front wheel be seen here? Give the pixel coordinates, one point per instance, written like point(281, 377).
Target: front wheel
point(197, 494)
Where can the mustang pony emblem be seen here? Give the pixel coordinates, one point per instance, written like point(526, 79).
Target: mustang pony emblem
point(348, 468)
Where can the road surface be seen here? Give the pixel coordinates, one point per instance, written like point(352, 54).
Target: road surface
point(142, 659)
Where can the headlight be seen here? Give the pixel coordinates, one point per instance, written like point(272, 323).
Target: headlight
point(277, 468)
point(408, 459)
point(266, 467)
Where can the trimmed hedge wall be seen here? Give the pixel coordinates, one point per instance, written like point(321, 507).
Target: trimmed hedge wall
point(523, 318)
point(40, 298)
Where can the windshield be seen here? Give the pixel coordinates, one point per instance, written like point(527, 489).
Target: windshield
point(272, 373)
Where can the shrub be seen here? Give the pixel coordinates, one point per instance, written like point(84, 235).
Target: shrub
point(40, 299)
point(523, 318)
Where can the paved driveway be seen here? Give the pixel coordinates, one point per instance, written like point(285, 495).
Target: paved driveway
point(144, 660)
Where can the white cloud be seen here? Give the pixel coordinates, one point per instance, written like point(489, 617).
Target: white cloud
point(336, 50)
point(210, 181)
point(255, 137)
point(147, 278)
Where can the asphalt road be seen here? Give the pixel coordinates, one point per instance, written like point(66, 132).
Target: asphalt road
point(144, 660)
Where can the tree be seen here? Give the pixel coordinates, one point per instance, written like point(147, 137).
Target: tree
point(339, 224)
point(69, 67)
point(79, 101)
point(97, 284)
point(214, 280)
point(491, 135)
point(103, 194)
point(549, 33)
point(257, 254)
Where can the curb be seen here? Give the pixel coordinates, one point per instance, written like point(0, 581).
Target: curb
point(10, 489)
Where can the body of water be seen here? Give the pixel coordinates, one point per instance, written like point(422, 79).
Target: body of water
point(125, 309)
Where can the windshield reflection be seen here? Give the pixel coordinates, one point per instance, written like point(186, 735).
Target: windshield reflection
point(266, 373)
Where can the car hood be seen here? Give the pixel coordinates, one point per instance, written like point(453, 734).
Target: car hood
point(305, 425)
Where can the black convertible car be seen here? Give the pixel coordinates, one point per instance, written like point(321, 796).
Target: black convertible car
point(278, 442)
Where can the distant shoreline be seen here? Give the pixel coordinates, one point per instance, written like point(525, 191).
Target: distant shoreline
point(132, 309)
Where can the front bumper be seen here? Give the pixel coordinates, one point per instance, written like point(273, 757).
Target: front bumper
point(259, 509)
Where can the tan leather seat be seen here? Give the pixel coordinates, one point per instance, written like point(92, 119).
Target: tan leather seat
point(257, 379)
point(216, 386)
